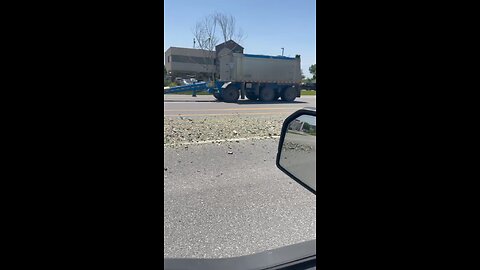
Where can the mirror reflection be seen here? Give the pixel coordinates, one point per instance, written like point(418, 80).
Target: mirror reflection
point(298, 154)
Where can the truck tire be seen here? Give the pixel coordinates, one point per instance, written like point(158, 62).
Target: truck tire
point(289, 94)
point(267, 94)
point(277, 95)
point(230, 94)
point(251, 96)
point(217, 96)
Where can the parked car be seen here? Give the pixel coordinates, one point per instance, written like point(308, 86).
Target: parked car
point(309, 86)
point(182, 81)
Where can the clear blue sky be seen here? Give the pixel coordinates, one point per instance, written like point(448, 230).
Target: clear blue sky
point(268, 24)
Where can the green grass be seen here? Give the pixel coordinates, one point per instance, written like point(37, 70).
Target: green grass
point(309, 93)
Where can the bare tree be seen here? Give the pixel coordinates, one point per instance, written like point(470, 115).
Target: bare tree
point(207, 29)
point(228, 28)
point(205, 34)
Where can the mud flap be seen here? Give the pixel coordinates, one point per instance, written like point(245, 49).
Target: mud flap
point(225, 85)
point(242, 91)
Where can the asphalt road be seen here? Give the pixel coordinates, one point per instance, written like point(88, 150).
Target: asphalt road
point(219, 204)
point(186, 105)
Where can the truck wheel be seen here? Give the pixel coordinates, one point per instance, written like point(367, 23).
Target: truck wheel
point(267, 94)
point(289, 94)
point(217, 96)
point(277, 95)
point(230, 94)
point(251, 96)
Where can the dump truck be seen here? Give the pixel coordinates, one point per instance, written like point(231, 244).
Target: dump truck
point(256, 77)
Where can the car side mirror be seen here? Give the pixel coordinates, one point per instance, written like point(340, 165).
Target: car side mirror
point(296, 155)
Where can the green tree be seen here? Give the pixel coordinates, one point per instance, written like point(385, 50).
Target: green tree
point(313, 70)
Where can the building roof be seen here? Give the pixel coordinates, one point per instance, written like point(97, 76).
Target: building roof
point(268, 56)
point(186, 49)
point(229, 44)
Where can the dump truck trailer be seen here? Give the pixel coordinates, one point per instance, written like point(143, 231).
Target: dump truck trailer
point(256, 77)
point(261, 77)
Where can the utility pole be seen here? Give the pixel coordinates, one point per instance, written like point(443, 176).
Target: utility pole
point(194, 43)
point(282, 50)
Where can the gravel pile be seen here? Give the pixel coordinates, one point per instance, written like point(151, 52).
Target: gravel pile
point(180, 130)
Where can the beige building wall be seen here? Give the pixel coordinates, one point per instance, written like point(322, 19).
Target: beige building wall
point(181, 60)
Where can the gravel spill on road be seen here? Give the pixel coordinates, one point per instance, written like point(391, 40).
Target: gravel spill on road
point(181, 129)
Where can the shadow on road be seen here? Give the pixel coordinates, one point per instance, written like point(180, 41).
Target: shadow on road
point(251, 102)
point(193, 101)
point(240, 102)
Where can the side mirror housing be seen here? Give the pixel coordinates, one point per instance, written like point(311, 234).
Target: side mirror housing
point(296, 155)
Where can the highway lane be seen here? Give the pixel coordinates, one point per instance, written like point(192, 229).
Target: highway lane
point(185, 105)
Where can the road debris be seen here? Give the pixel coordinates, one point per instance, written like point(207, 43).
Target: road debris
point(181, 130)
